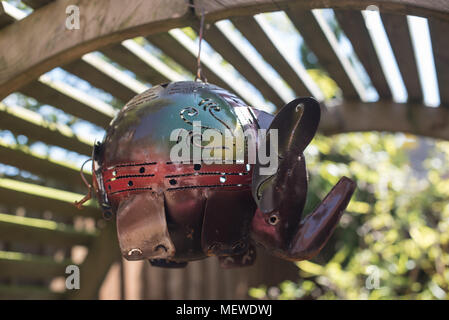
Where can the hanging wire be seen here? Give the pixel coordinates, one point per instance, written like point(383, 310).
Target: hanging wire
point(88, 196)
point(199, 74)
point(199, 71)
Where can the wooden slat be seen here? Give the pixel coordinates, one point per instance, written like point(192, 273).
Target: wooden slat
point(195, 277)
point(231, 54)
point(155, 282)
point(210, 277)
point(353, 25)
point(36, 4)
point(398, 32)
point(229, 81)
point(439, 31)
point(132, 279)
point(5, 18)
point(103, 75)
point(175, 284)
point(70, 100)
point(39, 231)
point(29, 266)
point(118, 53)
point(16, 193)
point(23, 121)
point(316, 40)
point(112, 286)
point(140, 52)
point(182, 56)
point(23, 158)
point(13, 292)
point(145, 65)
point(102, 254)
point(253, 32)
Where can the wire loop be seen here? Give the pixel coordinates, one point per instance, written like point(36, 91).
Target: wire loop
point(88, 196)
point(199, 73)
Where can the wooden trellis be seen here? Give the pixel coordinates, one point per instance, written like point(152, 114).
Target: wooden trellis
point(32, 46)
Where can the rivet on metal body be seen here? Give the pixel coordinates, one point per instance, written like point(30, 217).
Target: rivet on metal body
point(135, 252)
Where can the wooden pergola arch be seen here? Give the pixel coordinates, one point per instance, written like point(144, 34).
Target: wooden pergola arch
point(36, 44)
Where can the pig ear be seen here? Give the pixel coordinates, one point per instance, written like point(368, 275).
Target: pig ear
point(288, 187)
point(296, 123)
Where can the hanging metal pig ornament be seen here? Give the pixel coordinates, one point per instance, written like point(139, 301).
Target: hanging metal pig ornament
point(171, 212)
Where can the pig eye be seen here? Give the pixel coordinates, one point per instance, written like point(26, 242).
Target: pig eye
point(273, 219)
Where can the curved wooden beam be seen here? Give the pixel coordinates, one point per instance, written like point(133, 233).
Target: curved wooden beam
point(386, 116)
point(223, 9)
point(46, 43)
